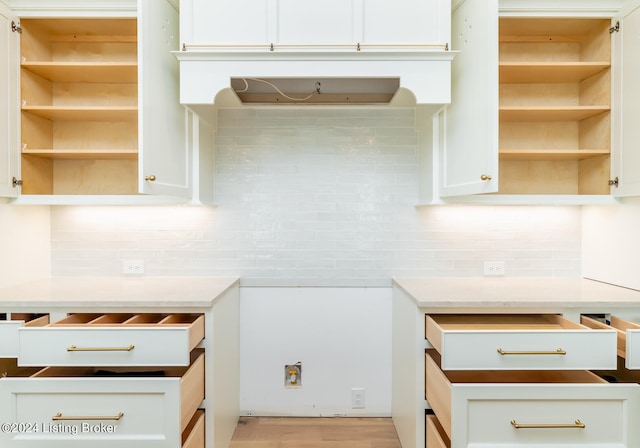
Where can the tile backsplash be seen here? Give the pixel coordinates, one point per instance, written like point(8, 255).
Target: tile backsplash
point(316, 197)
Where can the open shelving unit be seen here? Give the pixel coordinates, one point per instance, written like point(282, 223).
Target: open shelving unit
point(79, 106)
point(555, 105)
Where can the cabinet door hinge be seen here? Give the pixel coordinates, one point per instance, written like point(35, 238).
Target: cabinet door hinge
point(15, 27)
point(15, 182)
point(614, 182)
point(614, 29)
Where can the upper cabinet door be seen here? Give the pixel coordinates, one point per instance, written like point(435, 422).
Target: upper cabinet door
point(164, 160)
point(626, 90)
point(307, 22)
point(469, 147)
point(8, 104)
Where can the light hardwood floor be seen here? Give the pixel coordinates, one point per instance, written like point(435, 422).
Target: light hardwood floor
point(302, 432)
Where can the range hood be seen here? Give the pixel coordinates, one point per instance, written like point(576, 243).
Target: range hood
point(333, 52)
point(315, 90)
point(311, 75)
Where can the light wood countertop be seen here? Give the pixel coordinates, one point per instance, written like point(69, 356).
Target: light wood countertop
point(516, 293)
point(114, 292)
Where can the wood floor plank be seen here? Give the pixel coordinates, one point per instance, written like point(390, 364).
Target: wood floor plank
point(314, 432)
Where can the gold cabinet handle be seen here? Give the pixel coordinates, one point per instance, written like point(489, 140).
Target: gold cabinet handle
point(151, 178)
point(59, 416)
point(578, 424)
point(74, 348)
point(485, 177)
point(534, 352)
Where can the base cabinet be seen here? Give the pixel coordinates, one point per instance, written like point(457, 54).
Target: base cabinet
point(517, 375)
point(125, 377)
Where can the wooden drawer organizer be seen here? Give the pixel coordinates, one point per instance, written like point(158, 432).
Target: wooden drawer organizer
point(9, 324)
point(79, 111)
point(112, 340)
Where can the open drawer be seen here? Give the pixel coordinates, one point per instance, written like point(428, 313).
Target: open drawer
point(60, 407)
point(532, 408)
point(435, 435)
point(112, 340)
point(628, 336)
point(518, 342)
point(9, 324)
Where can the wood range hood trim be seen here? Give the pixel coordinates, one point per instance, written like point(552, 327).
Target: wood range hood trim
point(422, 74)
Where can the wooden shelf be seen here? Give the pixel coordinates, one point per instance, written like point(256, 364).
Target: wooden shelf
point(87, 72)
point(549, 72)
point(76, 154)
point(555, 114)
point(551, 154)
point(84, 113)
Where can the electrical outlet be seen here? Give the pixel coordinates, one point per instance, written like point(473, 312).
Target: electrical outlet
point(357, 398)
point(493, 268)
point(293, 375)
point(133, 267)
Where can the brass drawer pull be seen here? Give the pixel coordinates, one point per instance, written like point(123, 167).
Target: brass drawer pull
point(59, 416)
point(73, 348)
point(578, 424)
point(556, 352)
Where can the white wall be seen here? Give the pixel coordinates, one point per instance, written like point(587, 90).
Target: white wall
point(24, 243)
point(342, 337)
point(611, 243)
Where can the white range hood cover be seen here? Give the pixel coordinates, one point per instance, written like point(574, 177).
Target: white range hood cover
point(347, 75)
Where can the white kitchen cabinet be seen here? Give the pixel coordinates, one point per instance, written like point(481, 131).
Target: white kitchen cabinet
point(294, 22)
point(492, 363)
point(8, 100)
point(99, 116)
point(119, 362)
point(538, 111)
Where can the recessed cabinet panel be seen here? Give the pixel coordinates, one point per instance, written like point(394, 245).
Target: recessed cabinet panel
point(469, 161)
point(307, 22)
point(165, 162)
point(224, 22)
point(414, 21)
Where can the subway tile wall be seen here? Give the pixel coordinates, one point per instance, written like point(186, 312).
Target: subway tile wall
point(316, 197)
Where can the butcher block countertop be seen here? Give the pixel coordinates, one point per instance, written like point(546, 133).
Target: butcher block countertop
point(516, 293)
point(113, 292)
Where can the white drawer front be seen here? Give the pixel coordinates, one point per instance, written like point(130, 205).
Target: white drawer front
point(150, 409)
point(9, 332)
point(484, 415)
point(9, 338)
point(632, 360)
point(523, 350)
point(112, 346)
